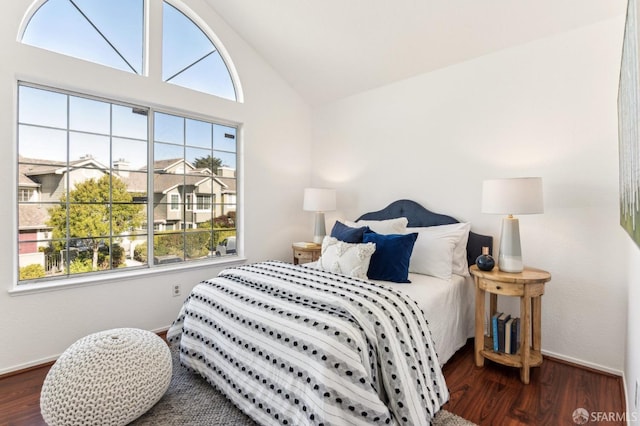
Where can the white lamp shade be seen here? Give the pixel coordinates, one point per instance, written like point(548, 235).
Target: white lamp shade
point(319, 199)
point(512, 196)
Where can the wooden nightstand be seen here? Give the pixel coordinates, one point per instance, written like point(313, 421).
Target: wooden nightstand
point(528, 285)
point(305, 252)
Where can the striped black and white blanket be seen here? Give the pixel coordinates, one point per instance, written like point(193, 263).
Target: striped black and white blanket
point(292, 345)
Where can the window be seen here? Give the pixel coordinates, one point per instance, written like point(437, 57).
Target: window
point(90, 157)
point(198, 64)
point(111, 33)
point(203, 202)
point(106, 185)
point(25, 195)
point(66, 144)
point(197, 159)
point(175, 202)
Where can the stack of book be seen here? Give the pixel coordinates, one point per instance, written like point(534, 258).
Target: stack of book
point(505, 330)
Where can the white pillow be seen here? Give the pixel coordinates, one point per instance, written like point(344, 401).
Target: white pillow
point(460, 264)
point(440, 250)
point(345, 258)
point(385, 227)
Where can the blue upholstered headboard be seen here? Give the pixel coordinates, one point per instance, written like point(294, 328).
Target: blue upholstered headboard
point(419, 216)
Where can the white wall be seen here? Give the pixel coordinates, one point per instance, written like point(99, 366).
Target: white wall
point(276, 136)
point(632, 363)
point(547, 108)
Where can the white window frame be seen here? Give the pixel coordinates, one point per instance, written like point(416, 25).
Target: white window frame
point(76, 80)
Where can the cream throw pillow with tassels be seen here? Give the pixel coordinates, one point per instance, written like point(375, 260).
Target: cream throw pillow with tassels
point(346, 258)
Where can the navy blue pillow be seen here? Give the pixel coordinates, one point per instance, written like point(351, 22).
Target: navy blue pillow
point(348, 234)
point(390, 261)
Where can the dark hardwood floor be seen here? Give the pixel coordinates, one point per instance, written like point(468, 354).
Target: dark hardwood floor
point(20, 397)
point(492, 395)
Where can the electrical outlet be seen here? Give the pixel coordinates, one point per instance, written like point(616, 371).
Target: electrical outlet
point(635, 399)
point(177, 290)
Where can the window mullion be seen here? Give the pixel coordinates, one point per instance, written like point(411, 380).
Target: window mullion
point(194, 63)
point(111, 240)
point(153, 40)
point(184, 186)
point(150, 183)
point(67, 241)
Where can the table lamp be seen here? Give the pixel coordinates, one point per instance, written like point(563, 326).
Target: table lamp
point(511, 196)
point(319, 200)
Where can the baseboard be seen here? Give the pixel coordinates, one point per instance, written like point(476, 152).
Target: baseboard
point(583, 364)
point(45, 362)
point(160, 331)
point(32, 365)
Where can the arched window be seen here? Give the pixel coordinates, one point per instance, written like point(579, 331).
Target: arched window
point(189, 57)
point(109, 33)
point(112, 32)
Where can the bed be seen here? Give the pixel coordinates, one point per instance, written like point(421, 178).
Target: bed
point(298, 345)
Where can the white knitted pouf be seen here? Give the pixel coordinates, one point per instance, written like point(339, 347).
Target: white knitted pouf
point(107, 378)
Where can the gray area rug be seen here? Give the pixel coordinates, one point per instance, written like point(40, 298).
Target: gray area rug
point(190, 400)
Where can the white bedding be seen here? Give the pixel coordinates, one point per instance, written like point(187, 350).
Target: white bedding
point(448, 307)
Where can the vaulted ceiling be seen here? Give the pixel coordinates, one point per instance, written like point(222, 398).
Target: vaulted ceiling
point(330, 49)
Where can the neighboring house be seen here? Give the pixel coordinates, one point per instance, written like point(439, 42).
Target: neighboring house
point(227, 176)
point(206, 195)
point(43, 182)
point(31, 217)
point(49, 177)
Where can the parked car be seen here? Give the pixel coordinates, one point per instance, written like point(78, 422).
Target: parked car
point(226, 246)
